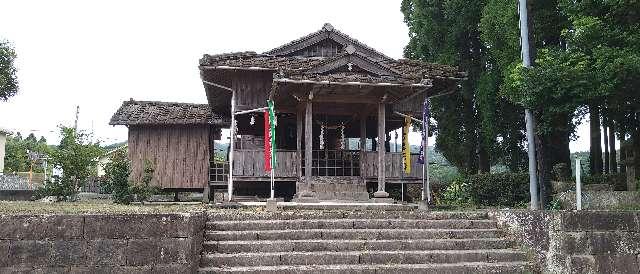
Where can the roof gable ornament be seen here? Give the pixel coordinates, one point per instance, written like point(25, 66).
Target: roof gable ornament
point(314, 43)
point(327, 27)
point(351, 60)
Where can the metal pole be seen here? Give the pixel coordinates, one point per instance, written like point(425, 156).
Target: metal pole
point(578, 186)
point(526, 62)
point(426, 187)
point(272, 184)
point(232, 136)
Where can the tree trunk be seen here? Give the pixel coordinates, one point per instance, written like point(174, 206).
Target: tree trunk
point(553, 149)
point(613, 161)
point(484, 164)
point(595, 152)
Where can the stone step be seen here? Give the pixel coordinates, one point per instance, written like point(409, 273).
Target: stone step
point(352, 234)
point(349, 223)
point(243, 214)
point(501, 267)
point(354, 245)
point(362, 257)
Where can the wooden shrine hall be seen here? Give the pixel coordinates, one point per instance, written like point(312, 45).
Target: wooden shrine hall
point(336, 101)
point(328, 89)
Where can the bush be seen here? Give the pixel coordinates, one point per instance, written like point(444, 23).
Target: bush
point(618, 181)
point(117, 177)
point(500, 189)
point(457, 193)
point(77, 157)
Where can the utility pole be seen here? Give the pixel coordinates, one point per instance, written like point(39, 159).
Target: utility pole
point(75, 124)
point(530, 121)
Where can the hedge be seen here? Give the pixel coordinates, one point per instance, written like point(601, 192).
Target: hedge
point(498, 189)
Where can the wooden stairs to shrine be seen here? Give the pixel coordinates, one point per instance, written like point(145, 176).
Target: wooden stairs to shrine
point(365, 242)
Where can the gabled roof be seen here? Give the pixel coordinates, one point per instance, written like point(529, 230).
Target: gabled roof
point(330, 33)
point(327, 68)
point(165, 113)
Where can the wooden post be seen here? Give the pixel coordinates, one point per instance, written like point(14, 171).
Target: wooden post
point(363, 143)
point(381, 193)
point(232, 137)
point(308, 143)
point(299, 125)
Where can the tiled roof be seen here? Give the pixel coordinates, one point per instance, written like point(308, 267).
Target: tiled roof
point(252, 59)
point(294, 67)
point(164, 113)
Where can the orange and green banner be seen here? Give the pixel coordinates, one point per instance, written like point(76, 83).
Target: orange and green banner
point(269, 137)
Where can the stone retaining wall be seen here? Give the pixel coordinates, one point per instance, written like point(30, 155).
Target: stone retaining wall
point(577, 241)
point(108, 243)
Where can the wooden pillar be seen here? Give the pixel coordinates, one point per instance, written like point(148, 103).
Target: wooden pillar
point(232, 138)
point(299, 125)
point(381, 151)
point(363, 143)
point(308, 143)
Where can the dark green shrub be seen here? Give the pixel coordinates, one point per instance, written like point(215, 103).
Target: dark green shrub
point(117, 175)
point(618, 181)
point(457, 193)
point(499, 189)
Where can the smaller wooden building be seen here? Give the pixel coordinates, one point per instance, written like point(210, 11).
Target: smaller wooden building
point(173, 137)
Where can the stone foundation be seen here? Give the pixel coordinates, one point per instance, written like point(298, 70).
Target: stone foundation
point(118, 243)
point(577, 241)
point(600, 200)
point(336, 188)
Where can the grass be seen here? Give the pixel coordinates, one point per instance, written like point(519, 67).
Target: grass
point(92, 207)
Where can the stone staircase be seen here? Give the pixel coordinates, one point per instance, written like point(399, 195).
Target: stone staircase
point(358, 242)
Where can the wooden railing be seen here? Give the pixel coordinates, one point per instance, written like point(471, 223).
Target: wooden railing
point(334, 163)
point(250, 163)
point(393, 165)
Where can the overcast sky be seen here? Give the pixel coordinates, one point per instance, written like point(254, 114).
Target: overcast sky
point(97, 54)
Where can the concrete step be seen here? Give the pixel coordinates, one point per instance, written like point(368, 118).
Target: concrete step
point(501, 267)
point(243, 215)
point(352, 234)
point(354, 245)
point(349, 223)
point(362, 257)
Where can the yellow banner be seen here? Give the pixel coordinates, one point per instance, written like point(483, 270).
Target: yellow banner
point(406, 148)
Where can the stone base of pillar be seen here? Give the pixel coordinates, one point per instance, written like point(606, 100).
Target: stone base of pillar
point(423, 206)
point(272, 205)
point(382, 200)
point(380, 194)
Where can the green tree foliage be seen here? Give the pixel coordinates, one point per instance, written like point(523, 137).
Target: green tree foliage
point(8, 78)
point(16, 152)
point(596, 69)
point(477, 121)
point(77, 157)
point(118, 172)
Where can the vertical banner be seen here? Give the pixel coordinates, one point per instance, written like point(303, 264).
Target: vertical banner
point(424, 143)
point(272, 132)
point(406, 148)
point(267, 142)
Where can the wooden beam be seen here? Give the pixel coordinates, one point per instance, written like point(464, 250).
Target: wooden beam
point(363, 143)
point(381, 193)
point(308, 143)
point(299, 125)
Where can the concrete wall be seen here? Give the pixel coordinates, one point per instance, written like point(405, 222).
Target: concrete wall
point(119, 243)
point(577, 241)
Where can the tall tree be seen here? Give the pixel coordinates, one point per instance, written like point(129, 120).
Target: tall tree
point(8, 78)
point(468, 128)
